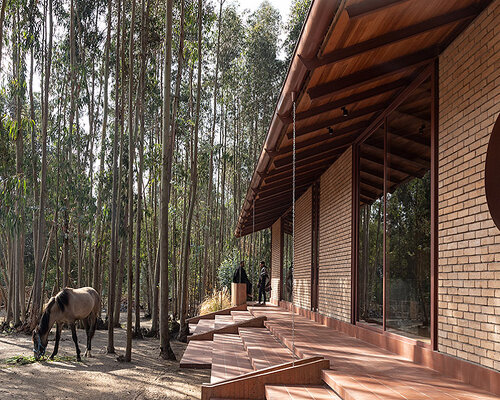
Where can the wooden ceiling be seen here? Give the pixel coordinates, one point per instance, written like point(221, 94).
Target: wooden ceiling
point(373, 62)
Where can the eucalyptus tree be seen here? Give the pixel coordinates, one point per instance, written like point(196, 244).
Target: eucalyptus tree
point(165, 348)
point(184, 327)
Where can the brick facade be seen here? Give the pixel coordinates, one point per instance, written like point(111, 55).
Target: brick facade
point(276, 257)
point(469, 242)
point(335, 209)
point(302, 259)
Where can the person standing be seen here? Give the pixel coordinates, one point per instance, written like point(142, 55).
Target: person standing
point(263, 281)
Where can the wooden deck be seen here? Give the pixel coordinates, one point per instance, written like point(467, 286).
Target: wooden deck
point(359, 370)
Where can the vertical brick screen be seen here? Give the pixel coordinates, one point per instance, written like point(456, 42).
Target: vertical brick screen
point(276, 247)
point(469, 242)
point(302, 259)
point(335, 208)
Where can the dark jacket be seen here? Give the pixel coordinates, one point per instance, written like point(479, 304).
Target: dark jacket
point(264, 277)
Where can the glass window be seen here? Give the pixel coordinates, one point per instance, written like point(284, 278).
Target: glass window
point(395, 161)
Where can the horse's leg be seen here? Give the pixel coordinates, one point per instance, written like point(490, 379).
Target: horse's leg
point(87, 327)
point(58, 337)
point(75, 339)
point(92, 320)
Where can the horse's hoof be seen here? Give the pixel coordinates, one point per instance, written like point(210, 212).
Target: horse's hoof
point(79, 359)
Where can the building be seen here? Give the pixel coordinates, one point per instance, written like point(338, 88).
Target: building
point(395, 236)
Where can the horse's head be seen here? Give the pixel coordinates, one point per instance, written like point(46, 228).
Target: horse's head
point(39, 344)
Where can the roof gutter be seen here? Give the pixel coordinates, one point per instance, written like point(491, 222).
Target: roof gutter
point(318, 24)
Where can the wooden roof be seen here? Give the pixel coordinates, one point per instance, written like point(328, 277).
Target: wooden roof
point(355, 63)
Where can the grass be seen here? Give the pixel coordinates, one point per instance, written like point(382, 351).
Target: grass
point(216, 301)
point(24, 360)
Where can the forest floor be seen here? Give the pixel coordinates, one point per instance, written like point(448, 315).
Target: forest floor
point(100, 377)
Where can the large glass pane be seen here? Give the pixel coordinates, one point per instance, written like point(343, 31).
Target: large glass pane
point(371, 231)
point(408, 221)
point(287, 284)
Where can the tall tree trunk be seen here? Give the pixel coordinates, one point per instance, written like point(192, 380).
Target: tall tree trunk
point(34, 156)
point(119, 213)
point(184, 328)
point(130, 192)
point(19, 235)
point(95, 274)
point(140, 97)
point(206, 268)
point(165, 349)
point(114, 244)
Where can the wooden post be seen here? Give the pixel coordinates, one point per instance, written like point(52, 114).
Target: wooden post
point(238, 294)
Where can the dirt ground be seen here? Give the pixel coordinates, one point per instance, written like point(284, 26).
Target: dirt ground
point(100, 377)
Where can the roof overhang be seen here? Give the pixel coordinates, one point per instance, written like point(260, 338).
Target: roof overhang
point(365, 55)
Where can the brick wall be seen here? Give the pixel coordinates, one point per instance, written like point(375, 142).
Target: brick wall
point(469, 242)
point(302, 259)
point(276, 256)
point(334, 297)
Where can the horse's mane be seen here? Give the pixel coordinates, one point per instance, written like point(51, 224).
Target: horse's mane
point(44, 322)
point(62, 299)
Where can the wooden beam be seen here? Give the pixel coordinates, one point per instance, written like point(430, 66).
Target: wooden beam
point(396, 102)
point(325, 137)
point(370, 6)
point(338, 120)
point(357, 79)
point(326, 150)
point(280, 188)
point(392, 37)
point(396, 167)
point(304, 172)
point(401, 156)
point(277, 174)
point(376, 179)
point(370, 185)
point(354, 98)
point(308, 161)
point(366, 199)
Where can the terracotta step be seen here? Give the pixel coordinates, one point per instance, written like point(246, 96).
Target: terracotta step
point(204, 325)
point(198, 354)
point(239, 316)
point(300, 392)
point(263, 349)
point(229, 358)
point(222, 320)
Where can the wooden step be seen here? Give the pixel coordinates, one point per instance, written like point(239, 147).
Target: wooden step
point(226, 311)
point(263, 349)
point(223, 320)
point(229, 358)
point(239, 316)
point(204, 325)
point(300, 392)
point(229, 329)
point(198, 354)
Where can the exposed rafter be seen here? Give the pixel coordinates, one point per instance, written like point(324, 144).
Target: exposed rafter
point(396, 102)
point(357, 79)
point(340, 133)
point(370, 6)
point(392, 37)
point(366, 94)
point(338, 120)
point(327, 150)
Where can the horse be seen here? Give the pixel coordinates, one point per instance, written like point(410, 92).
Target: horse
point(68, 306)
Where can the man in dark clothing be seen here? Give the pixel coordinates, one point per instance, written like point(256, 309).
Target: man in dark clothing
point(240, 276)
point(263, 281)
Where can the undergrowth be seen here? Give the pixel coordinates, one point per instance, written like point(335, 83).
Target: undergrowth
point(24, 360)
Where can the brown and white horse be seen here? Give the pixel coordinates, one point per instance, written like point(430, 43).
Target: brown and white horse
point(68, 306)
